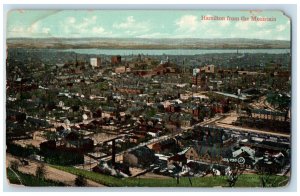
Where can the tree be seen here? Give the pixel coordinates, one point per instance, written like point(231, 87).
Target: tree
point(266, 173)
point(14, 165)
point(80, 181)
point(235, 173)
point(40, 171)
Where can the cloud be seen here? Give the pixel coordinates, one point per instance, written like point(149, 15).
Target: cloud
point(191, 25)
point(70, 26)
point(85, 27)
point(86, 22)
point(154, 35)
point(187, 23)
point(242, 25)
point(261, 23)
point(262, 34)
point(132, 27)
point(280, 28)
point(224, 23)
point(125, 25)
point(71, 20)
point(34, 29)
point(98, 30)
point(45, 30)
point(16, 30)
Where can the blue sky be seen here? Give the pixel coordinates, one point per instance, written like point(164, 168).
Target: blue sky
point(144, 24)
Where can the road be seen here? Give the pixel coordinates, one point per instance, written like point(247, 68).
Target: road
point(51, 173)
point(161, 138)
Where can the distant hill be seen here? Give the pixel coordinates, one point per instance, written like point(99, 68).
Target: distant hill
point(145, 43)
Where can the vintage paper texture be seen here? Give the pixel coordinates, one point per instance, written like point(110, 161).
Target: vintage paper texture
point(148, 98)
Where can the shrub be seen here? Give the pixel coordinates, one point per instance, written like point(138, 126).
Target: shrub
point(40, 171)
point(80, 181)
point(14, 165)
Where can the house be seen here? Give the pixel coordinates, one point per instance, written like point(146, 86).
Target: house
point(122, 69)
point(214, 153)
point(130, 90)
point(97, 113)
point(116, 60)
point(166, 146)
point(109, 112)
point(95, 62)
point(135, 111)
point(134, 139)
point(16, 116)
point(140, 157)
point(186, 120)
point(220, 108)
point(190, 153)
point(178, 159)
point(48, 145)
point(208, 69)
point(173, 108)
point(38, 122)
point(84, 116)
point(266, 114)
point(74, 140)
point(197, 167)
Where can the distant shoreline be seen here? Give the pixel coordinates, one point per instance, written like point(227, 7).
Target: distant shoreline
point(151, 44)
point(143, 47)
point(154, 52)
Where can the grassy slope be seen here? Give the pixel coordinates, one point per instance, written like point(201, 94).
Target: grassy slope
point(247, 180)
point(30, 180)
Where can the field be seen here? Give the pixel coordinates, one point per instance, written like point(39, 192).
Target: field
point(246, 180)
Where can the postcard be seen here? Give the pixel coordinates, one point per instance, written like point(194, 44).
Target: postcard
point(148, 98)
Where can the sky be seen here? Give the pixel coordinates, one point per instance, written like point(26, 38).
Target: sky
point(145, 24)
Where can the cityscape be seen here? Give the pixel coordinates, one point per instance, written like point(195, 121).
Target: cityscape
point(149, 112)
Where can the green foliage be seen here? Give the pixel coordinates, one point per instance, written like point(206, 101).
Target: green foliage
point(30, 180)
point(50, 135)
point(245, 180)
point(62, 157)
point(50, 156)
point(20, 151)
point(279, 100)
point(151, 112)
point(14, 165)
point(80, 181)
point(40, 172)
point(102, 86)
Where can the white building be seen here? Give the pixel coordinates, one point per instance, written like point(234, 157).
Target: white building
point(95, 62)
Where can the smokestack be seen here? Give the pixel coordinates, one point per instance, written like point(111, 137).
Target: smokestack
point(113, 153)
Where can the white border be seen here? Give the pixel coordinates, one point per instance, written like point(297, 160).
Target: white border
point(161, 4)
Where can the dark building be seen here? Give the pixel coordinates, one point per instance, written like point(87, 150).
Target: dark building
point(140, 157)
point(74, 140)
point(115, 60)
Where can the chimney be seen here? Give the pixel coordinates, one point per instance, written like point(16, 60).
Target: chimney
point(113, 153)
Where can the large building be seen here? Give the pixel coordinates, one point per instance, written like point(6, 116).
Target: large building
point(208, 69)
point(116, 60)
point(95, 62)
